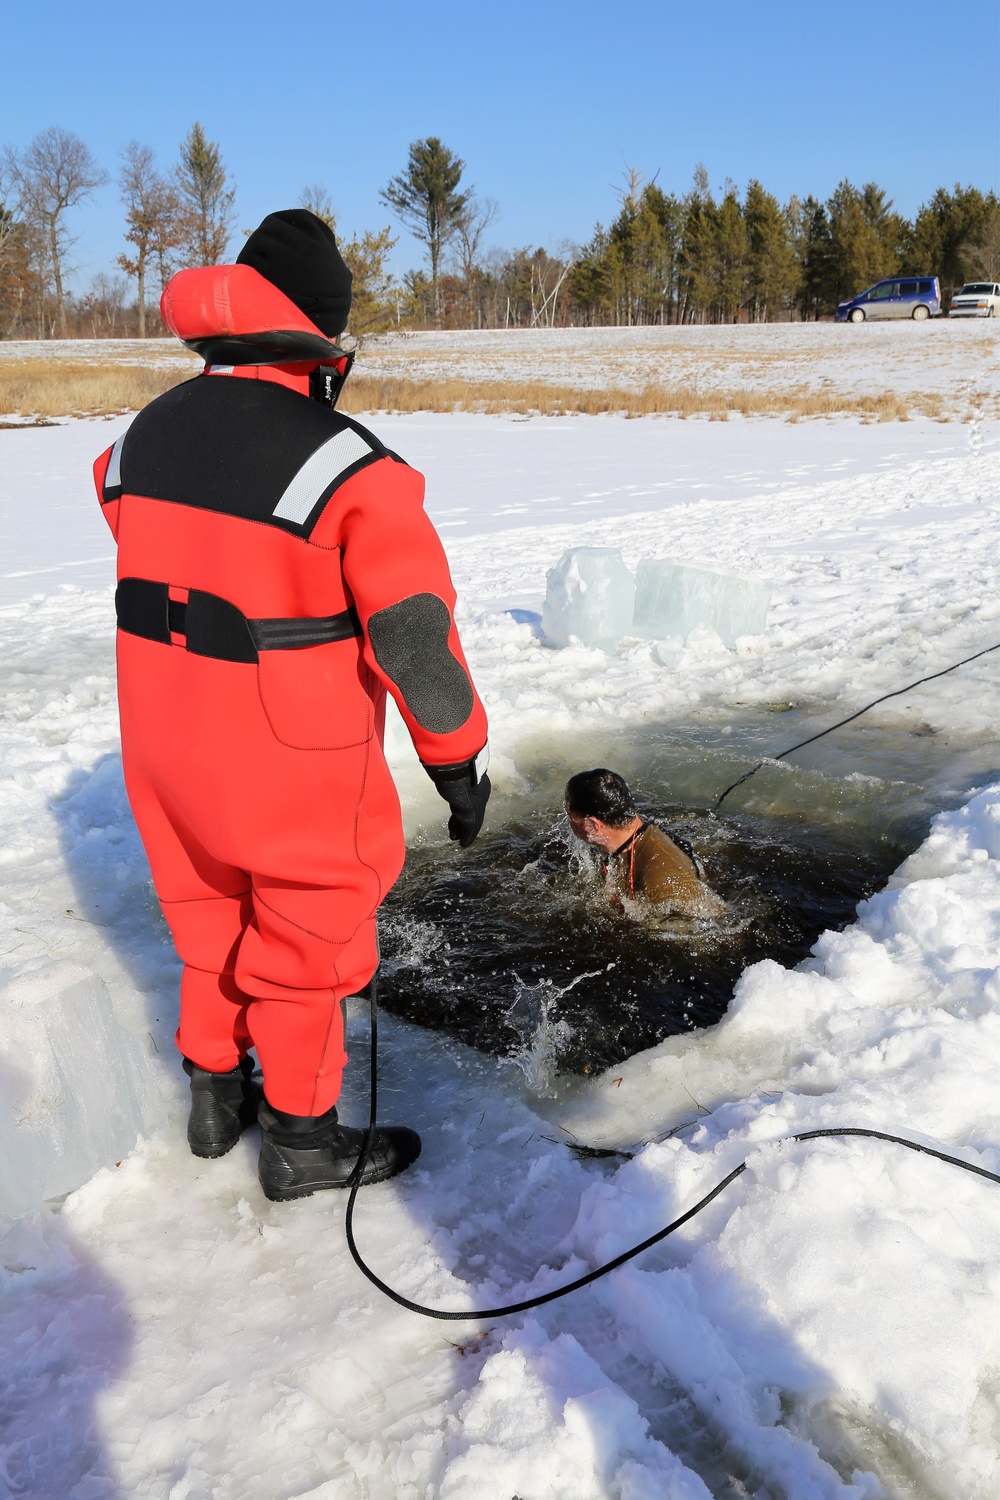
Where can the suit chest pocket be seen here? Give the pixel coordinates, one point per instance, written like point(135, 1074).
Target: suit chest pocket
point(316, 697)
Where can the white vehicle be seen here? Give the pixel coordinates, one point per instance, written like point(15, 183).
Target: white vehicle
point(977, 299)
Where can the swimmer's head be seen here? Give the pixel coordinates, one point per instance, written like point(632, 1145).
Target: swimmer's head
point(596, 801)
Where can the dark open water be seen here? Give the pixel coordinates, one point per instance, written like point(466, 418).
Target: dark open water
point(513, 939)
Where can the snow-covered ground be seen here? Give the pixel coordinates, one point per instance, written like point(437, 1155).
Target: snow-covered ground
point(952, 361)
point(828, 1327)
point(165, 352)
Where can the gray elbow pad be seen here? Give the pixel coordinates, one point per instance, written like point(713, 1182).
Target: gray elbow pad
point(410, 643)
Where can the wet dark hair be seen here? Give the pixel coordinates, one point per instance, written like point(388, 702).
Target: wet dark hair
point(600, 794)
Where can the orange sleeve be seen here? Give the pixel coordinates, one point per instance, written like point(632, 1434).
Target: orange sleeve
point(397, 573)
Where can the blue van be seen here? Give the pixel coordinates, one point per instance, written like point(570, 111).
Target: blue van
point(916, 297)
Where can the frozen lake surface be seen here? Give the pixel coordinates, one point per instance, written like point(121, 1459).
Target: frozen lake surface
point(826, 1329)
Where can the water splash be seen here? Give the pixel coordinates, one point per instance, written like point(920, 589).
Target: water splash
point(534, 1014)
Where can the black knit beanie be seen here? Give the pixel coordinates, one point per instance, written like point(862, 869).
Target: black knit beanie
point(296, 252)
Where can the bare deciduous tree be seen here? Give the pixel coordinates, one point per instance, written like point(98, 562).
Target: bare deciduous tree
point(470, 226)
point(548, 273)
point(104, 305)
point(52, 175)
point(9, 218)
point(20, 283)
point(153, 219)
point(318, 201)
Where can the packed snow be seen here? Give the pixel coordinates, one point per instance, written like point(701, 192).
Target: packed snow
point(827, 1328)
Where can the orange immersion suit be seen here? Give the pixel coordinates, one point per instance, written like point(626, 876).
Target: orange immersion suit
point(277, 574)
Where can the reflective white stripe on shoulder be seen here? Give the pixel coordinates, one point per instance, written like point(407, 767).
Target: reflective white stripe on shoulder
point(319, 472)
point(113, 477)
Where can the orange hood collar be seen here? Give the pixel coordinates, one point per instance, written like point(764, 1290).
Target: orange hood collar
point(231, 315)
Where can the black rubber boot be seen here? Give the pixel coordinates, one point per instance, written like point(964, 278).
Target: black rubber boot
point(302, 1154)
point(222, 1106)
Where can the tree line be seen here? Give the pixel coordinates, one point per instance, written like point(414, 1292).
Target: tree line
point(664, 257)
point(180, 217)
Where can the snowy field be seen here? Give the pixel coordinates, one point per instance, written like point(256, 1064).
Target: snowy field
point(953, 360)
point(827, 1329)
point(164, 352)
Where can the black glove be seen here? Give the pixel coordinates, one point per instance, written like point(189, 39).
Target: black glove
point(466, 789)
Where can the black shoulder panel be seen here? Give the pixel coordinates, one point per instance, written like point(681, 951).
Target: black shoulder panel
point(246, 448)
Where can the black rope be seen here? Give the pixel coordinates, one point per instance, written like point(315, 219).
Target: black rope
point(611, 1265)
point(654, 1239)
point(841, 722)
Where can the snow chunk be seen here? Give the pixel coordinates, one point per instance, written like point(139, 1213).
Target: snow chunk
point(77, 1087)
point(672, 598)
point(589, 598)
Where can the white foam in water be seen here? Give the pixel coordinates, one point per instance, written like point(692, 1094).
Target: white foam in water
point(76, 1088)
point(672, 599)
point(589, 598)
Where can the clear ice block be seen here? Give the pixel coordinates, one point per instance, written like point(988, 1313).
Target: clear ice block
point(589, 599)
point(672, 598)
point(76, 1088)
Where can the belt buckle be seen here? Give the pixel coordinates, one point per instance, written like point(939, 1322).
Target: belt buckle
point(177, 602)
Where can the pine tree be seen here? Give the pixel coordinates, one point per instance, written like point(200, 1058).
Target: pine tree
point(667, 210)
point(206, 198)
point(591, 281)
point(944, 231)
point(698, 248)
point(639, 258)
point(864, 238)
point(981, 255)
point(729, 272)
point(425, 197)
point(770, 256)
point(814, 255)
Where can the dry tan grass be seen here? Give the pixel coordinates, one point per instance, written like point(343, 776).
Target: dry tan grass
point(36, 388)
point(393, 394)
point(50, 388)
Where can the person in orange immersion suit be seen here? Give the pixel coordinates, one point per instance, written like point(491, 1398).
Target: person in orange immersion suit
point(277, 575)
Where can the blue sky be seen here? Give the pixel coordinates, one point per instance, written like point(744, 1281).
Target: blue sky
point(546, 103)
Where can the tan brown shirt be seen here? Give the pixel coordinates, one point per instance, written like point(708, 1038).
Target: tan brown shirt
point(652, 867)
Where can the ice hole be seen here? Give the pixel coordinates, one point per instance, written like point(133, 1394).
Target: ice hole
point(512, 946)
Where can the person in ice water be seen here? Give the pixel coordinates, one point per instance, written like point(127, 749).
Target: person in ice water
point(277, 576)
point(638, 860)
